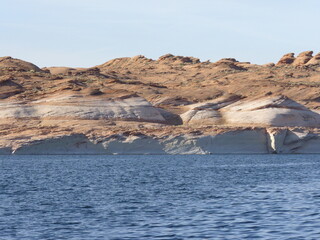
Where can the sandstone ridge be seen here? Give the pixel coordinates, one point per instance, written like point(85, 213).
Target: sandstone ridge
point(304, 58)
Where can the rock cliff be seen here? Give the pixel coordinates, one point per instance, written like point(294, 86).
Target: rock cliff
point(240, 141)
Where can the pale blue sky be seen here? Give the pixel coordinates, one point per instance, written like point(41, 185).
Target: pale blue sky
point(81, 33)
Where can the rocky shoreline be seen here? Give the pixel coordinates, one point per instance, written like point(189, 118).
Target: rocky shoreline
point(173, 105)
point(245, 141)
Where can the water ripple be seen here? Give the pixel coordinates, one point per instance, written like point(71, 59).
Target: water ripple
point(160, 197)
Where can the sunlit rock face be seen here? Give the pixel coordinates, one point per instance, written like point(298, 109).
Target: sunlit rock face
point(173, 105)
point(303, 58)
point(79, 107)
point(297, 140)
point(278, 111)
point(315, 60)
point(286, 59)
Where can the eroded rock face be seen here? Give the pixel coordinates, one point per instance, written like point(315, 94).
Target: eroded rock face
point(207, 112)
point(236, 142)
point(8, 87)
point(303, 58)
point(72, 144)
point(315, 60)
point(228, 64)
point(245, 141)
point(274, 111)
point(208, 116)
point(287, 59)
point(293, 141)
point(179, 59)
point(147, 98)
point(278, 111)
point(133, 145)
point(80, 107)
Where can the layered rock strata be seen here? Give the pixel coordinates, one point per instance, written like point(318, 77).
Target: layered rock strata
point(278, 111)
point(131, 108)
point(245, 141)
point(172, 105)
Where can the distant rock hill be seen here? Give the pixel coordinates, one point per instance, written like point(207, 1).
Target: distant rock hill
point(172, 105)
point(14, 64)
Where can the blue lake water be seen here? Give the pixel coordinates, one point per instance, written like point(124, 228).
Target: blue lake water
point(160, 197)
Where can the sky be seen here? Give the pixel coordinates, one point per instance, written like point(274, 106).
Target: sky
point(85, 33)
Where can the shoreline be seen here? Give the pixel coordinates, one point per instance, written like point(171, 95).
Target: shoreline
point(245, 141)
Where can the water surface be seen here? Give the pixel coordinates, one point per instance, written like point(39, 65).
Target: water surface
point(160, 197)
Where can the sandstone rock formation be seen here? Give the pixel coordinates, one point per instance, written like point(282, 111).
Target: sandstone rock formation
point(169, 58)
point(286, 59)
point(315, 60)
point(303, 58)
point(17, 64)
point(228, 64)
point(80, 107)
point(268, 111)
point(60, 70)
point(208, 112)
point(293, 141)
point(277, 111)
point(257, 141)
point(72, 144)
point(8, 87)
point(173, 105)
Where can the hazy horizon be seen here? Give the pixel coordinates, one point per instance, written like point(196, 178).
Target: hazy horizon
point(87, 33)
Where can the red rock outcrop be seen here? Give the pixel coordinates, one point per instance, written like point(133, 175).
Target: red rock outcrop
point(137, 95)
point(286, 59)
point(10, 63)
point(315, 60)
point(228, 64)
point(178, 59)
point(303, 58)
